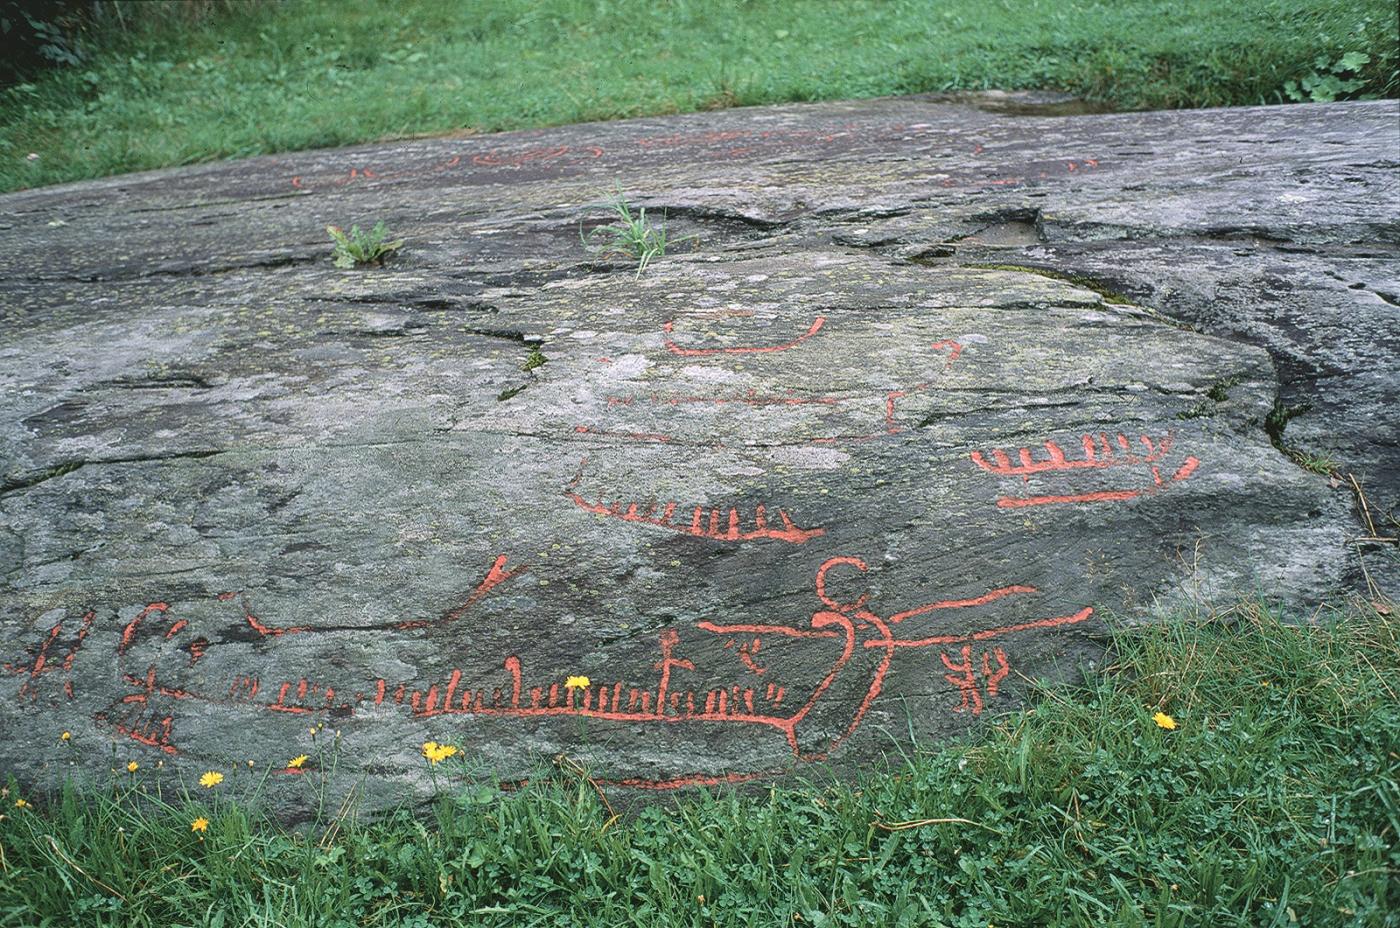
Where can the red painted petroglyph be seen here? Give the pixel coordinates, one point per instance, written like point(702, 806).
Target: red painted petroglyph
point(650, 437)
point(148, 686)
point(129, 632)
point(44, 661)
point(961, 603)
point(491, 159)
point(494, 578)
point(497, 575)
point(136, 715)
point(150, 731)
point(515, 160)
point(752, 399)
point(713, 524)
point(953, 348)
point(1099, 453)
point(299, 697)
point(963, 675)
point(746, 652)
point(672, 347)
point(753, 694)
point(848, 626)
point(270, 631)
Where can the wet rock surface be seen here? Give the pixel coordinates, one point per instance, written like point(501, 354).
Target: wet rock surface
point(925, 392)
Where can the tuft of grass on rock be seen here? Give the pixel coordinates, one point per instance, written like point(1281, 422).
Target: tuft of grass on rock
point(1273, 801)
point(629, 234)
point(358, 248)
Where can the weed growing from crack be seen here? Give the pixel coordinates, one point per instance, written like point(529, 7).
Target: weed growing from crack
point(1277, 421)
point(534, 359)
point(1218, 393)
point(629, 234)
point(1316, 463)
point(1220, 390)
point(358, 248)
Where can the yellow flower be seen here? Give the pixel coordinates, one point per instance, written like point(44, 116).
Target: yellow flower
point(132, 767)
point(211, 779)
point(65, 736)
point(21, 804)
point(577, 683)
point(435, 752)
point(296, 762)
point(1164, 721)
point(200, 824)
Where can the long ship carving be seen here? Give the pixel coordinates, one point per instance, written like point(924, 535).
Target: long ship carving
point(849, 628)
point(814, 706)
point(1099, 452)
point(716, 524)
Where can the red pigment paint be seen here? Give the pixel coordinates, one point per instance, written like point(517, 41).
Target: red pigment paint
point(1099, 452)
point(671, 346)
point(731, 526)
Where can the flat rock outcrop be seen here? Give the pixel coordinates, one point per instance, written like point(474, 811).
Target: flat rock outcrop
point(921, 394)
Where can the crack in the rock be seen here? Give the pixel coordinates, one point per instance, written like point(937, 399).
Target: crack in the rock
point(239, 202)
point(720, 214)
point(18, 484)
point(429, 303)
point(175, 382)
point(272, 262)
point(67, 467)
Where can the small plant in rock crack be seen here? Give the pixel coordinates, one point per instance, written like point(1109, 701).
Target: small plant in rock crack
point(629, 234)
point(358, 248)
point(1316, 463)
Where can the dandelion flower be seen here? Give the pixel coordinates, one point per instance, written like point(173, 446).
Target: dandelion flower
point(132, 767)
point(200, 824)
point(296, 762)
point(66, 736)
point(435, 752)
point(1164, 721)
point(21, 804)
point(577, 683)
point(211, 779)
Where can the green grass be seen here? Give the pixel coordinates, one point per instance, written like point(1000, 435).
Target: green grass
point(296, 75)
point(629, 234)
point(360, 248)
point(1274, 803)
